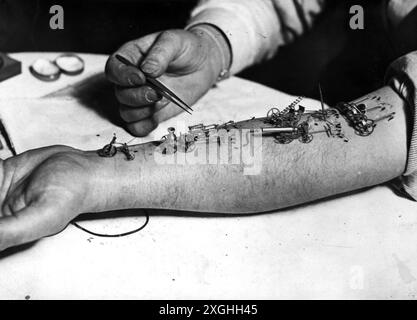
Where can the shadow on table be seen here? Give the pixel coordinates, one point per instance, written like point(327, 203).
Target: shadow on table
point(12, 251)
point(186, 214)
point(97, 94)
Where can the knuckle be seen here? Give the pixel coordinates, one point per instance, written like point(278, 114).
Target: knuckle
point(130, 115)
point(120, 96)
point(146, 113)
point(169, 34)
point(125, 114)
point(142, 128)
point(127, 97)
point(135, 130)
point(157, 54)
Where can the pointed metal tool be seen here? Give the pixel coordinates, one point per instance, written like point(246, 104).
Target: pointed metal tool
point(158, 86)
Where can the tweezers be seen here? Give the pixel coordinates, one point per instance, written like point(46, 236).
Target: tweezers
point(158, 86)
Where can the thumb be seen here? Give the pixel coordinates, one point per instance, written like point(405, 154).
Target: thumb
point(167, 47)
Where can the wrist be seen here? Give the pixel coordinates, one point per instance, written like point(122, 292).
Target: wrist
point(116, 183)
point(104, 183)
point(219, 50)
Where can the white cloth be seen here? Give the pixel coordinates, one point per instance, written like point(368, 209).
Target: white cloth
point(358, 246)
point(256, 28)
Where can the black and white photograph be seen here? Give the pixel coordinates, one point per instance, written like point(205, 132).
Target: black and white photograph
point(234, 151)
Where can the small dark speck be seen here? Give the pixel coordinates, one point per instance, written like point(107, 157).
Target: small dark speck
point(27, 297)
point(173, 279)
point(399, 216)
point(97, 135)
point(226, 255)
point(135, 151)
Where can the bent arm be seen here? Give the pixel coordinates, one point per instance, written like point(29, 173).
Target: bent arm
point(290, 173)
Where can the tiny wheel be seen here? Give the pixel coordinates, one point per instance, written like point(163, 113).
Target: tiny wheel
point(70, 64)
point(45, 70)
point(272, 112)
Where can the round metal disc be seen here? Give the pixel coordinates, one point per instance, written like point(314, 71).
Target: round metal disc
point(45, 70)
point(70, 64)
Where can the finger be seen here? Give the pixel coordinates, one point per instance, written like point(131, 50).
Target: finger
point(127, 76)
point(123, 75)
point(136, 97)
point(171, 110)
point(130, 115)
point(29, 224)
point(166, 48)
point(142, 128)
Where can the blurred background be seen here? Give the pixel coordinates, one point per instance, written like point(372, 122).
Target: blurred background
point(348, 63)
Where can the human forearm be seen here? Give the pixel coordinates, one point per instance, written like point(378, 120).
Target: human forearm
point(290, 174)
point(42, 190)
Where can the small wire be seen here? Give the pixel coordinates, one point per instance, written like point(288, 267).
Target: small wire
point(103, 235)
point(134, 138)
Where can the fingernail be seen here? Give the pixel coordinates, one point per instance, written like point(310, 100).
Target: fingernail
point(152, 96)
point(134, 79)
point(150, 66)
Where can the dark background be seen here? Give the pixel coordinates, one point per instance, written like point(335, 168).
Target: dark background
point(348, 63)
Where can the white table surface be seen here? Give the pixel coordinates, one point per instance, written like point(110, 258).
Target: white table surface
point(361, 245)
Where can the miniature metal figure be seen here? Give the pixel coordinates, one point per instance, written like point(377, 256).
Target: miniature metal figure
point(292, 123)
point(110, 150)
point(355, 115)
point(129, 154)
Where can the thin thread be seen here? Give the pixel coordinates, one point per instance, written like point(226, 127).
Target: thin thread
point(103, 235)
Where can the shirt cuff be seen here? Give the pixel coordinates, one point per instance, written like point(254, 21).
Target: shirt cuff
point(402, 76)
point(241, 28)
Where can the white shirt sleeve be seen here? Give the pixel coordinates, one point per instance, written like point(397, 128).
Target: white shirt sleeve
point(256, 28)
point(402, 75)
